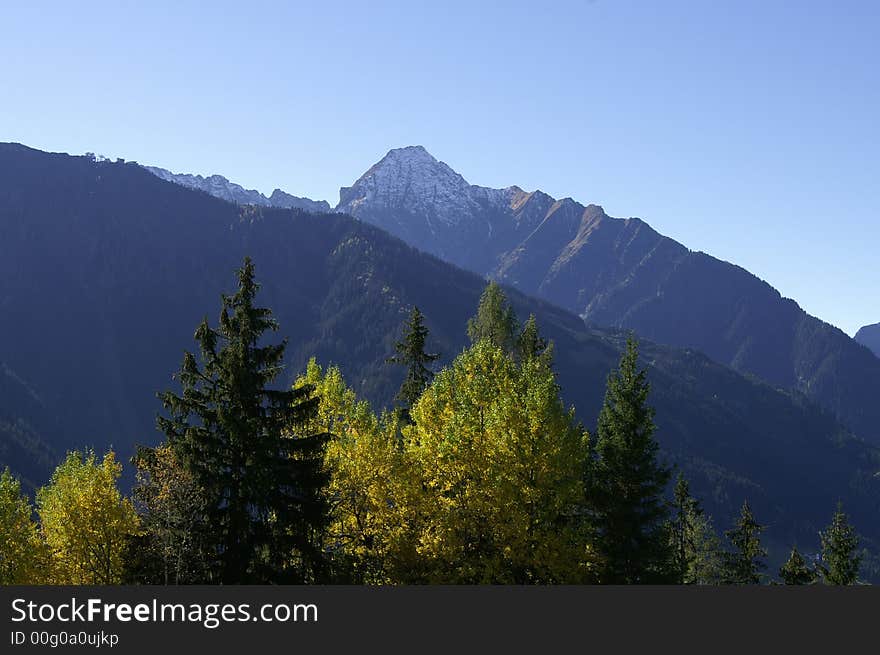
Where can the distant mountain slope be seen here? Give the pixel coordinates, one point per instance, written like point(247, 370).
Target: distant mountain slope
point(219, 187)
point(869, 336)
point(26, 431)
point(619, 273)
point(106, 271)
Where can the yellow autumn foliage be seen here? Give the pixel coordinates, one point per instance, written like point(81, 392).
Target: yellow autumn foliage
point(85, 521)
point(363, 459)
point(484, 486)
point(23, 556)
point(499, 462)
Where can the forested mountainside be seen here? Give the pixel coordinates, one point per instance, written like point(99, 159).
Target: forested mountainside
point(25, 424)
point(107, 270)
point(619, 273)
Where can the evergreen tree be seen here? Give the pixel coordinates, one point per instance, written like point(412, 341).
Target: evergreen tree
point(795, 571)
point(685, 508)
point(238, 439)
point(629, 511)
point(744, 564)
point(531, 345)
point(840, 557)
point(705, 565)
point(411, 354)
point(495, 320)
point(695, 551)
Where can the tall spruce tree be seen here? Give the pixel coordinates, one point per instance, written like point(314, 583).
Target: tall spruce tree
point(795, 570)
point(411, 354)
point(531, 345)
point(705, 566)
point(743, 564)
point(691, 550)
point(237, 438)
point(495, 320)
point(840, 557)
point(627, 482)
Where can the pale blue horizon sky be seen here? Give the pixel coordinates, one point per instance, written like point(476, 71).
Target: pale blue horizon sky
point(744, 129)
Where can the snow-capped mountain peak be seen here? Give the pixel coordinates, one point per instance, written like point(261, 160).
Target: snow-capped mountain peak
point(420, 199)
point(412, 180)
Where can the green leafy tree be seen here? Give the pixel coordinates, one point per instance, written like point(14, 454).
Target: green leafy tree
point(743, 564)
point(85, 520)
point(795, 570)
point(495, 320)
point(628, 482)
point(23, 556)
point(841, 559)
point(240, 440)
point(171, 548)
point(411, 354)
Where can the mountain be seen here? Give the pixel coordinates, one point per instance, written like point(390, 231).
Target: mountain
point(869, 336)
point(427, 204)
point(618, 273)
point(219, 187)
point(25, 424)
point(106, 270)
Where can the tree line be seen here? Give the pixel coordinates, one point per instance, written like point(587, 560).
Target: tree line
point(479, 475)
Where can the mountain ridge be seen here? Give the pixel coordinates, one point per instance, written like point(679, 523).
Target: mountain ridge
point(869, 336)
point(220, 187)
point(108, 269)
point(613, 272)
point(622, 273)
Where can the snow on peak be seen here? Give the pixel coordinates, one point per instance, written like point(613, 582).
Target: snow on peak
point(413, 180)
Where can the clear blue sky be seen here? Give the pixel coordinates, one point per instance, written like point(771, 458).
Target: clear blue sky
point(745, 129)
